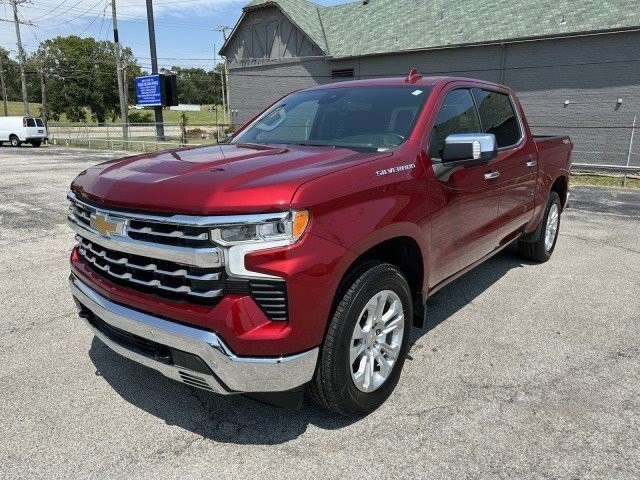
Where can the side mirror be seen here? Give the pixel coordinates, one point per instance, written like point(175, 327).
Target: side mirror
point(469, 148)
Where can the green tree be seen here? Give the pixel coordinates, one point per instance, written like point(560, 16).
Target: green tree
point(11, 76)
point(197, 86)
point(81, 74)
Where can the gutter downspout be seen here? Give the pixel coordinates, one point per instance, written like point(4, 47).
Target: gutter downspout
point(503, 62)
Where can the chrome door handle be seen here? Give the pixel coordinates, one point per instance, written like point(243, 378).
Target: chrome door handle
point(531, 163)
point(491, 175)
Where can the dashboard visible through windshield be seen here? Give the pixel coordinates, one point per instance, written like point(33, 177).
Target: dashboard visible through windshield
point(359, 118)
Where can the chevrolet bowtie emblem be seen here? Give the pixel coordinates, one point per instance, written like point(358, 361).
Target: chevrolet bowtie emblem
point(106, 226)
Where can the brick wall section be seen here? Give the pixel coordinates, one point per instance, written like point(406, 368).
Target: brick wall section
point(592, 89)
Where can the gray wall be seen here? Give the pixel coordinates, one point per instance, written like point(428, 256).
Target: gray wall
point(590, 72)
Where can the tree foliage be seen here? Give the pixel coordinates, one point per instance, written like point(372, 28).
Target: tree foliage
point(81, 73)
point(197, 86)
point(80, 77)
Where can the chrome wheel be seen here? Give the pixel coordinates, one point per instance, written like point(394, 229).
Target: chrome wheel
point(376, 341)
point(551, 229)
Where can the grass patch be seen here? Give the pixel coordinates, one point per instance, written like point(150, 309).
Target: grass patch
point(605, 180)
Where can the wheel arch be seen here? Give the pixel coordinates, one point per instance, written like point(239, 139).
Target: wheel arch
point(403, 252)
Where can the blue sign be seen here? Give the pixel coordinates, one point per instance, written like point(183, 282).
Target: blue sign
point(150, 90)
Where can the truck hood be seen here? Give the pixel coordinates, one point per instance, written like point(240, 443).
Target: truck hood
point(221, 179)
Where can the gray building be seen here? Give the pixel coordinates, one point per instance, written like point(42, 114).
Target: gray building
point(575, 65)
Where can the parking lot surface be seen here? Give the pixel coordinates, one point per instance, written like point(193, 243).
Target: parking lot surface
point(525, 371)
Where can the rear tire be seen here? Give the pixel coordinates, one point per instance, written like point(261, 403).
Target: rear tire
point(540, 249)
point(15, 141)
point(36, 143)
point(369, 333)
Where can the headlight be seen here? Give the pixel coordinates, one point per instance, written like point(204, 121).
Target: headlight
point(286, 230)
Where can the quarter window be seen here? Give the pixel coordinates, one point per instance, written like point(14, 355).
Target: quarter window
point(457, 115)
point(498, 117)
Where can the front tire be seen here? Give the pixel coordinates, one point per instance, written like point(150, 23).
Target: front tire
point(15, 141)
point(366, 341)
point(540, 249)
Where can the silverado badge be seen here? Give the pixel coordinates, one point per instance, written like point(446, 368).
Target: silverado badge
point(106, 226)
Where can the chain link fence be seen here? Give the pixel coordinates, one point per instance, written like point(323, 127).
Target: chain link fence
point(605, 145)
point(140, 136)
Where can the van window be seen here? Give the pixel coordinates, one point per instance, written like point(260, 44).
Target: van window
point(31, 122)
point(498, 117)
point(457, 115)
point(39, 122)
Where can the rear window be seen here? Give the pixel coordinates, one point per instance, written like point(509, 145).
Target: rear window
point(39, 122)
point(498, 117)
point(31, 122)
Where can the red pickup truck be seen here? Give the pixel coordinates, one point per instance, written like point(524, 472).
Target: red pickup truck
point(299, 255)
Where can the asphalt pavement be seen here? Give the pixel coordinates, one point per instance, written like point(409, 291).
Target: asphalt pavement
point(525, 371)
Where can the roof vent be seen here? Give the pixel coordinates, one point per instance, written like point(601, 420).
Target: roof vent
point(563, 21)
point(413, 77)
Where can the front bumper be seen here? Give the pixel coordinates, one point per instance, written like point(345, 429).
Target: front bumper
point(190, 355)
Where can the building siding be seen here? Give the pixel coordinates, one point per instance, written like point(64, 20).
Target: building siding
point(591, 72)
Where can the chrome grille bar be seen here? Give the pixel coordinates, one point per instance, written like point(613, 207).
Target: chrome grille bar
point(91, 255)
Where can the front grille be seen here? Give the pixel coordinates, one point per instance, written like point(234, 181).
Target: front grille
point(190, 267)
point(147, 230)
point(152, 275)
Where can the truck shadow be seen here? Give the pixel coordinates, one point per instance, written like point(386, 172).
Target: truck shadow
point(461, 292)
point(238, 420)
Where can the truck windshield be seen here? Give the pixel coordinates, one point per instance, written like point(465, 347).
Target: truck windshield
point(359, 118)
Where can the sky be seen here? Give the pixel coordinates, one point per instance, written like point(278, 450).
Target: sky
point(185, 29)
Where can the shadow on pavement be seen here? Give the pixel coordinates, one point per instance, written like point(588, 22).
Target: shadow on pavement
point(236, 419)
point(446, 302)
point(226, 419)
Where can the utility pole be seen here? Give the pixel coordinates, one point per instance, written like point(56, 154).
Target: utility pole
point(17, 22)
point(222, 90)
point(43, 89)
point(154, 68)
point(226, 102)
point(116, 40)
point(4, 88)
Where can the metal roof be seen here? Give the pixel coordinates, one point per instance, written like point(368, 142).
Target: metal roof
point(386, 26)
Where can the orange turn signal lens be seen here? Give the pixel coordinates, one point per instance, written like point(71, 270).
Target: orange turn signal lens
point(300, 222)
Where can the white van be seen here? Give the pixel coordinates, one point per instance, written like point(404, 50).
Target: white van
point(19, 130)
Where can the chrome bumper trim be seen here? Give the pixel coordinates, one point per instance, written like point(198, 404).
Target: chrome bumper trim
point(231, 373)
point(199, 257)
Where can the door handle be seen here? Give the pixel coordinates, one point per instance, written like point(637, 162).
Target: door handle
point(531, 163)
point(491, 175)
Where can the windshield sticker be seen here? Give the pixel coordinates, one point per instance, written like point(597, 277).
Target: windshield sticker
point(401, 168)
point(416, 92)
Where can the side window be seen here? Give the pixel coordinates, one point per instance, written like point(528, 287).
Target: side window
point(498, 117)
point(457, 115)
point(31, 122)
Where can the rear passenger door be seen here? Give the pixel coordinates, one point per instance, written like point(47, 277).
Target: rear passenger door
point(463, 224)
point(516, 162)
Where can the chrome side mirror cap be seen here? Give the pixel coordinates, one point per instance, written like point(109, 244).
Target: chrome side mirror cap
point(469, 148)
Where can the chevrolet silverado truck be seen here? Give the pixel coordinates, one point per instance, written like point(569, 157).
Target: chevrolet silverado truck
point(299, 255)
